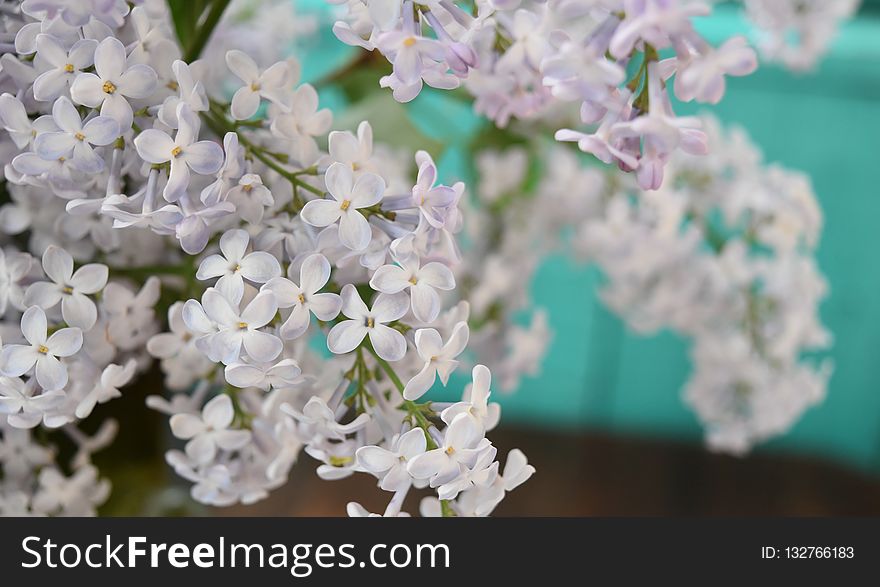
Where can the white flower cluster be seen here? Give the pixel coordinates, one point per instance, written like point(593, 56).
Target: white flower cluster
point(724, 253)
point(264, 248)
point(524, 59)
point(797, 33)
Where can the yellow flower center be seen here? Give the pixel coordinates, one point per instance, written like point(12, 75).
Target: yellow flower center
point(237, 268)
point(172, 85)
point(302, 299)
point(176, 151)
point(67, 289)
point(108, 87)
point(69, 68)
point(247, 188)
point(242, 325)
point(370, 322)
point(409, 42)
point(43, 350)
point(345, 205)
point(255, 87)
point(450, 450)
point(80, 137)
point(413, 280)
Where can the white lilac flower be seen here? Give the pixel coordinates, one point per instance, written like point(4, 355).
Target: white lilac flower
point(318, 415)
point(299, 120)
point(475, 402)
point(112, 378)
point(421, 281)
point(431, 200)
point(75, 139)
point(388, 343)
point(389, 465)
point(113, 83)
point(234, 330)
point(42, 352)
point(355, 151)
point(184, 152)
point(251, 198)
point(304, 299)
point(439, 358)
point(236, 264)
point(22, 405)
point(269, 84)
point(348, 195)
point(462, 444)
point(65, 65)
point(130, 314)
point(69, 287)
point(190, 92)
point(209, 431)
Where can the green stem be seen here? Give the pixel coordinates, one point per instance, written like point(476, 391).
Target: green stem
point(204, 31)
point(414, 409)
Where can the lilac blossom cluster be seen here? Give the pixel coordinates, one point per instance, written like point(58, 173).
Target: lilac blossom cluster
point(525, 60)
point(137, 195)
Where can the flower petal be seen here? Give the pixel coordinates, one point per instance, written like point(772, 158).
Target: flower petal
point(51, 374)
point(325, 306)
point(390, 307)
point(390, 279)
point(367, 191)
point(90, 278)
point(65, 342)
point(346, 336)
point(388, 343)
point(425, 302)
point(138, 82)
point(314, 273)
point(262, 346)
point(154, 146)
point(245, 103)
point(78, 310)
point(17, 359)
point(354, 230)
point(101, 130)
point(321, 213)
point(34, 325)
point(204, 157)
point(260, 267)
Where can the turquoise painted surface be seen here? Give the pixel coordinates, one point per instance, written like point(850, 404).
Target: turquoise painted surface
point(597, 373)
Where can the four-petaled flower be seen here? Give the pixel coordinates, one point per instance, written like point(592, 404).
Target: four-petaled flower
point(304, 298)
point(348, 196)
point(68, 287)
point(388, 343)
point(113, 83)
point(439, 358)
point(234, 329)
point(390, 464)
point(269, 84)
point(210, 430)
point(235, 264)
point(184, 152)
point(74, 141)
point(42, 352)
point(422, 281)
point(65, 65)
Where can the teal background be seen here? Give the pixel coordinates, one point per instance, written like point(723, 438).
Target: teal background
point(598, 374)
